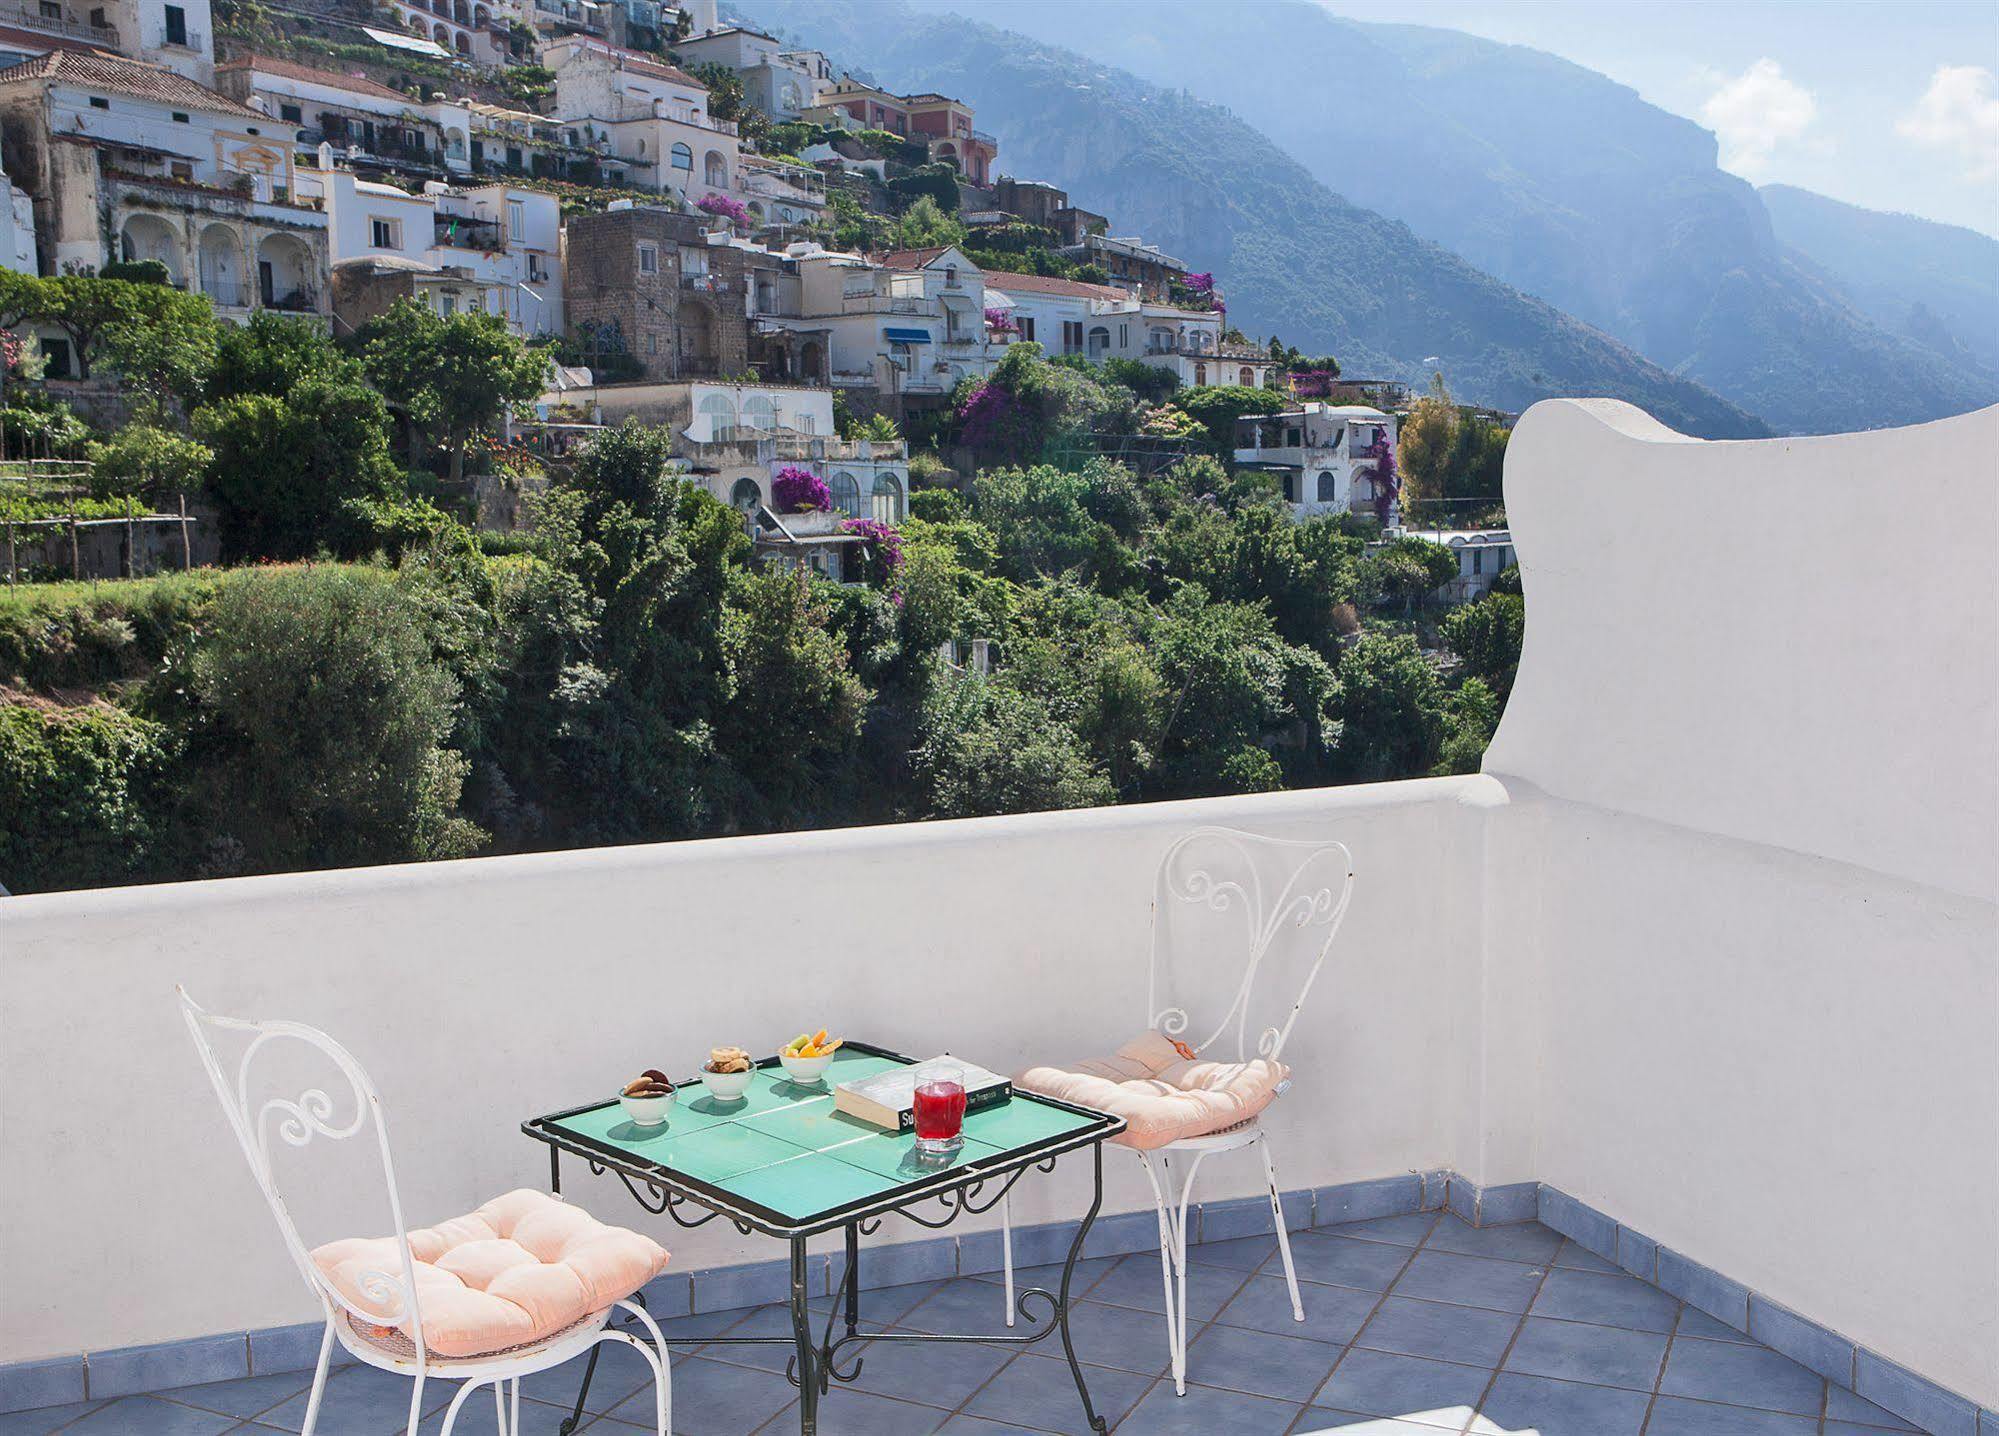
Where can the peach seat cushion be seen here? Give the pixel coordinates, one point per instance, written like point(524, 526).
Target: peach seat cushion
point(522, 1267)
point(1162, 1094)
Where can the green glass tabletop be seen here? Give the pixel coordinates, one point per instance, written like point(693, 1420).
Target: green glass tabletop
point(783, 1147)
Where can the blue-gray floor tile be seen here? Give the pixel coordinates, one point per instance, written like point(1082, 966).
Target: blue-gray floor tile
point(1388, 1197)
point(1582, 1224)
point(1471, 1281)
point(1742, 1376)
point(1695, 1322)
point(1381, 1383)
point(965, 1307)
point(1581, 1258)
point(1520, 1402)
point(1119, 1336)
point(1705, 1288)
point(150, 1416)
point(962, 1425)
point(1637, 1254)
point(245, 1397)
point(56, 1381)
point(1522, 1241)
point(1804, 1341)
point(138, 1369)
point(362, 1401)
point(1086, 1275)
point(713, 1399)
point(1842, 1405)
point(1136, 1282)
point(898, 1264)
point(1039, 1392)
point(538, 1418)
point(1676, 1416)
point(861, 1413)
point(1283, 1367)
point(1899, 1389)
point(1246, 1216)
point(620, 1372)
point(44, 1419)
point(1598, 1355)
point(1324, 1421)
point(770, 1321)
point(725, 1288)
point(1203, 1411)
point(292, 1348)
point(1466, 1334)
point(1406, 1230)
point(1606, 1300)
point(1125, 1232)
point(889, 1304)
point(1347, 1261)
point(937, 1374)
point(1243, 1253)
point(1332, 1313)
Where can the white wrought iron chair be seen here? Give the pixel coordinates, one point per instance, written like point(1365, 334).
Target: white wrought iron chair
point(297, 1121)
point(1278, 899)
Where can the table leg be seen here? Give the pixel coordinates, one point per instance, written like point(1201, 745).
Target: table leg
point(1097, 1423)
point(853, 1278)
point(801, 1330)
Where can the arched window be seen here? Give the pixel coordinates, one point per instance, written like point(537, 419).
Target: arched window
point(888, 499)
point(846, 495)
point(759, 412)
point(715, 170)
point(745, 496)
point(1200, 374)
point(1328, 486)
point(683, 157)
point(1100, 340)
point(720, 411)
point(1248, 378)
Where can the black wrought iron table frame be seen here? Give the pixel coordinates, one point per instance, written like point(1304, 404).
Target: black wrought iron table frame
point(815, 1365)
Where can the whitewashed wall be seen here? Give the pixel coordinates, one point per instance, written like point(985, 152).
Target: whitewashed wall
point(482, 993)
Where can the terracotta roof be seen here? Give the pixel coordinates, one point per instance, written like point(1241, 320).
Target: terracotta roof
point(333, 79)
point(1043, 284)
point(97, 71)
point(29, 40)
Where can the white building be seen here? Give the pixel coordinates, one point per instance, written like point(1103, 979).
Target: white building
point(1323, 454)
point(128, 161)
point(369, 125)
point(910, 322)
point(653, 115)
point(1481, 553)
point(18, 251)
point(1102, 321)
point(496, 244)
point(469, 29)
point(778, 81)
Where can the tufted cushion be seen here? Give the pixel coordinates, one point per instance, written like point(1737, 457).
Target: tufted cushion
point(1162, 1094)
point(520, 1268)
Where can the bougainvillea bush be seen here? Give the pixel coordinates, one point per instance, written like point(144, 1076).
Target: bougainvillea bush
point(881, 554)
point(1387, 483)
point(733, 210)
point(800, 491)
point(999, 321)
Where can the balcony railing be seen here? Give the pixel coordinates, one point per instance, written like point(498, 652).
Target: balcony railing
point(304, 299)
point(32, 18)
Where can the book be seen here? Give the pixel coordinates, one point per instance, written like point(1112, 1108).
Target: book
point(888, 1099)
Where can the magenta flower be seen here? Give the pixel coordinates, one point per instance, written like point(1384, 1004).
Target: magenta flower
point(799, 491)
point(733, 210)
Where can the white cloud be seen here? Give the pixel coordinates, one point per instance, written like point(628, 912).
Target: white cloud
point(1959, 111)
point(1755, 112)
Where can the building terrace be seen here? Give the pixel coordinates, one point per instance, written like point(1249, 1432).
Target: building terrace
point(1649, 1088)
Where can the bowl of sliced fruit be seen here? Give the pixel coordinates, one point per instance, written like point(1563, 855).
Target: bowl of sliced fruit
point(647, 1097)
point(807, 1056)
point(726, 1074)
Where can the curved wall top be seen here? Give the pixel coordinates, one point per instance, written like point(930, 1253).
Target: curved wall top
point(1788, 641)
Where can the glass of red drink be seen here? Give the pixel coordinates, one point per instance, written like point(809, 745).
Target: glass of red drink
point(939, 1108)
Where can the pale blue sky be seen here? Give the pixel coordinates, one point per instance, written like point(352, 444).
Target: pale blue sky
point(1839, 96)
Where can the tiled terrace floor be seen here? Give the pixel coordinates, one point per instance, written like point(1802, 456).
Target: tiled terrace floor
point(1414, 1325)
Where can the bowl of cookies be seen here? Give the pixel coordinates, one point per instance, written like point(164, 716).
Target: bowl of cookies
point(726, 1074)
point(647, 1097)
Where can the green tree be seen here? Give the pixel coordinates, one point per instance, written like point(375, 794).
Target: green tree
point(1471, 716)
point(79, 793)
point(1219, 406)
point(1390, 708)
point(453, 375)
point(142, 458)
point(1486, 637)
point(284, 468)
point(273, 353)
point(990, 748)
point(323, 716)
point(924, 224)
point(163, 341)
point(1409, 571)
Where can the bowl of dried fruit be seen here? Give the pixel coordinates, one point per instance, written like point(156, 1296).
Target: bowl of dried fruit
point(726, 1074)
point(647, 1097)
point(807, 1056)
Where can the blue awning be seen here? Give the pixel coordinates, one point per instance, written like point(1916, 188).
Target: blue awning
point(907, 336)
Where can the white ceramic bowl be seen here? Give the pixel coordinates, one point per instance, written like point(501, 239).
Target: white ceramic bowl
point(805, 1070)
point(647, 1111)
point(726, 1086)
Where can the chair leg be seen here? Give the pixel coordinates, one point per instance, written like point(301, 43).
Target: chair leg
point(1173, 1254)
point(318, 1381)
point(1006, 1253)
point(451, 1411)
point(658, 1358)
point(416, 1404)
point(500, 1405)
point(514, 1395)
point(1283, 1235)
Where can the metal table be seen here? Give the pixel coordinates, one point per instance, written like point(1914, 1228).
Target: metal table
point(781, 1161)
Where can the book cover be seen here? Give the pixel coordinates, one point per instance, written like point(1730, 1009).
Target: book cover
point(888, 1099)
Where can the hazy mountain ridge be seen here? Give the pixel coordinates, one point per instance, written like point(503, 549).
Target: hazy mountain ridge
point(1556, 180)
point(1296, 259)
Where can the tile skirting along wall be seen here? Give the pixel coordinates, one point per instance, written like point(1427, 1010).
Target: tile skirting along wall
point(92, 1375)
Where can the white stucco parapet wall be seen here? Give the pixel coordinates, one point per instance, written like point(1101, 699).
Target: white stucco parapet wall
point(1711, 945)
